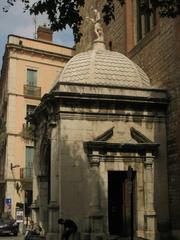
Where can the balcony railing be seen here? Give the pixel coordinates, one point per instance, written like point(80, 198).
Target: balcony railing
point(28, 131)
point(26, 173)
point(32, 91)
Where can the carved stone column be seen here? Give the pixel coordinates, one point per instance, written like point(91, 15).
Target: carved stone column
point(96, 216)
point(150, 214)
point(53, 205)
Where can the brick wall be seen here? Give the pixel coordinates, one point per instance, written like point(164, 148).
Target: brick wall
point(158, 57)
point(114, 32)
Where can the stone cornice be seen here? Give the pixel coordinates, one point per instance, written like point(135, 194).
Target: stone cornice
point(110, 100)
point(38, 51)
point(106, 97)
point(105, 116)
point(96, 156)
point(75, 84)
point(11, 46)
point(36, 61)
point(82, 97)
point(117, 158)
point(103, 147)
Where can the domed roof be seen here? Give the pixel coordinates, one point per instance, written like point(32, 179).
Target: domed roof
point(103, 67)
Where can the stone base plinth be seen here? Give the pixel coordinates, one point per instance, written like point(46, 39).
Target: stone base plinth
point(97, 236)
point(52, 236)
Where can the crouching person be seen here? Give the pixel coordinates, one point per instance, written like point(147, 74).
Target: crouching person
point(70, 228)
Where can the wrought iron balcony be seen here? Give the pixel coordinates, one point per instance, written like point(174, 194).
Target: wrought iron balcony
point(32, 91)
point(28, 131)
point(26, 173)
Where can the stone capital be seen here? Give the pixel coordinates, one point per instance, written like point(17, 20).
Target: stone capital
point(94, 160)
point(148, 160)
point(150, 213)
point(52, 123)
point(53, 205)
point(35, 205)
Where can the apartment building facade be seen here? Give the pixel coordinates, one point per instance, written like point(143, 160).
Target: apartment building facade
point(30, 68)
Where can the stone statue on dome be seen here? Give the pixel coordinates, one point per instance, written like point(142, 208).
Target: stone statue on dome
point(97, 25)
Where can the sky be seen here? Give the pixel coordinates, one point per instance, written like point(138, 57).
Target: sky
point(15, 21)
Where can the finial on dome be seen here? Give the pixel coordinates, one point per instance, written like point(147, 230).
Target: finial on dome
point(99, 41)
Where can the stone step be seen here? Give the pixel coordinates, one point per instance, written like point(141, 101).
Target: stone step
point(113, 237)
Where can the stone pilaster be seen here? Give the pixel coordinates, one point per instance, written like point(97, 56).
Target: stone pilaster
point(150, 214)
point(96, 216)
point(53, 229)
point(35, 203)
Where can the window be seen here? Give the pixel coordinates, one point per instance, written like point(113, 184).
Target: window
point(29, 160)
point(146, 19)
point(30, 88)
point(30, 109)
point(31, 77)
point(27, 171)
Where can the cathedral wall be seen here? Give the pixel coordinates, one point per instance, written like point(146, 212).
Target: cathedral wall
point(159, 59)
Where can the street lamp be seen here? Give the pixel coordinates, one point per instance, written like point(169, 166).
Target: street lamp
point(14, 166)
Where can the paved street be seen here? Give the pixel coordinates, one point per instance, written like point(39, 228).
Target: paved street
point(7, 237)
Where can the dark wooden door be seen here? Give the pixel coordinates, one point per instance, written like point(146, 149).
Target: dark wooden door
point(119, 204)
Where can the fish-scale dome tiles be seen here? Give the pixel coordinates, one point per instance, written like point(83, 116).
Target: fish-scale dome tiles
point(104, 67)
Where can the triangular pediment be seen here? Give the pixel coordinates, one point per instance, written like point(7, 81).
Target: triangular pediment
point(135, 135)
point(105, 136)
point(138, 136)
point(138, 143)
